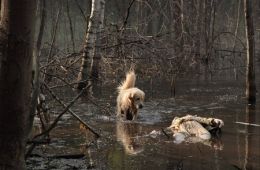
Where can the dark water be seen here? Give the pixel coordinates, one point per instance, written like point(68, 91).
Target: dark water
point(143, 145)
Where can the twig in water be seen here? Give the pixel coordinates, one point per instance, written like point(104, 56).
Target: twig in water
point(165, 133)
point(60, 115)
point(70, 111)
point(68, 156)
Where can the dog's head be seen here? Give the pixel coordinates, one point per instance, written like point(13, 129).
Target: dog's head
point(136, 98)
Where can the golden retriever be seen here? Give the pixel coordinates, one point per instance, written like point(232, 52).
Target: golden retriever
point(129, 98)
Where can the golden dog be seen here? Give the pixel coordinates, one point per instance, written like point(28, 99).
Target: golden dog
point(129, 98)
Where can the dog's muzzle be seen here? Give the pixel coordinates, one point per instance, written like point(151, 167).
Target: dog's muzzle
point(140, 106)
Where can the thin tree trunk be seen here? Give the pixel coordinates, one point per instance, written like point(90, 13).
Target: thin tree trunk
point(45, 77)
point(250, 71)
point(89, 48)
point(178, 26)
point(42, 25)
point(71, 29)
point(178, 33)
point(97, 56)
point(16, 51)
point(198, 30)
point(213, 16)
point(35, 65)
point(207, 23)
point(237, 23)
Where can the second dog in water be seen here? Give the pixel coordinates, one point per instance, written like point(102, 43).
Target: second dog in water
point(130, 98)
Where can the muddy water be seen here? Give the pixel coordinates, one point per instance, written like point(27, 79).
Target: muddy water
point(143, 145)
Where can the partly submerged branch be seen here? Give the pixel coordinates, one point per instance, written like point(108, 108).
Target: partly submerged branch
point(70, 111)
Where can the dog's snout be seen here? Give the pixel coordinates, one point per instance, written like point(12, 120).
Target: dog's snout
point(140, 106)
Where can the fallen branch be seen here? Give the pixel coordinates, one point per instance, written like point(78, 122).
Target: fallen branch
point(67, 156)
point(60, 115)
point(63, 85)
point(70, 111)
point(103, 109)
point(38, 142)
point(165, 133)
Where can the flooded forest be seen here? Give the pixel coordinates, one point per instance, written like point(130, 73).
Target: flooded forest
point(129, 84)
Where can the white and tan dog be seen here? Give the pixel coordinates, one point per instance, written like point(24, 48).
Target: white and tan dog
point(129, 98)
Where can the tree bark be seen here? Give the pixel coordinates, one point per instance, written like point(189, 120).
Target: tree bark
point(178, 26)
point(47, 78)
point(250, 71)
point(97, 56)
point(89, 48)
point(16, 51)
point(237, 22)
point(207, 27)
point(71, 28)
point(35, 62)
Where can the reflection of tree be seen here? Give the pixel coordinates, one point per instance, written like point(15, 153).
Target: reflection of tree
point(250, 41)
point(90, 147)
point(249, 146)
point(127, 134)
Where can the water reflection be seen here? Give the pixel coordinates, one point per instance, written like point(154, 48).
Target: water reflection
point(249, 131)
point(127, 134)
point(137, 150)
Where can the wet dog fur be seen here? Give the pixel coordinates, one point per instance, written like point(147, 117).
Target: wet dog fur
point(130, 98)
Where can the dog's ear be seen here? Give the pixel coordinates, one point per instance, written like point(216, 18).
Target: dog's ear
point(131, 98)
point(131, 95)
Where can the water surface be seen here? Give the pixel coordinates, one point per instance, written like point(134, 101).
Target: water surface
point(143, 145)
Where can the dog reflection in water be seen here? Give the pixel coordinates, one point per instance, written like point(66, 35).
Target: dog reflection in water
point(195, 129)
point(127, 134)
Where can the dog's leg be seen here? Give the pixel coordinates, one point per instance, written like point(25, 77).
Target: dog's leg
point(129, 114)
point(134, 114)
point(134, 117)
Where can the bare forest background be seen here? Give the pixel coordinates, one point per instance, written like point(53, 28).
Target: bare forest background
point(169, 39)
point(77, 44)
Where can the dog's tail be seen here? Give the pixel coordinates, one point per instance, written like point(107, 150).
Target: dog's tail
point(129, 81)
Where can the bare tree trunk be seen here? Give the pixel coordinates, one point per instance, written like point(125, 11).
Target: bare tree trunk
point(35, 62)
point(250, 71)
point(198, 29)
point(178, 26)
point(70, 23)
point(207, 23)
point(237, 23)
point(97, 55)
point(50, 53)
point(16, 51)
point(179, 39)
point(89, 48)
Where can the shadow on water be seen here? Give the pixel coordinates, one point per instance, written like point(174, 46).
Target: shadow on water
point(143, 145)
